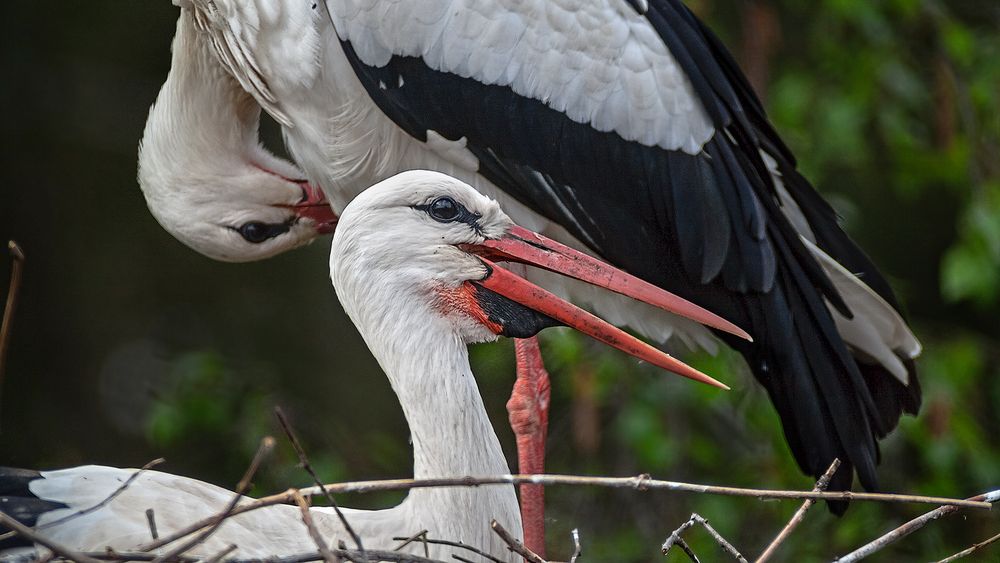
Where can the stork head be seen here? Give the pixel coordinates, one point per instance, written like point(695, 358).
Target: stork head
point(424, 237)
point(206, 177)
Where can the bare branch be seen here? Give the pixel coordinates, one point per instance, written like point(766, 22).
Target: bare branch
point(151, 520)
point(29, 534)
point(317, 538)
point(304, 460)
point(514, 544)
point(265, 448)
point(971, 550)
point(910, 527)
point(421, 535)
point(821, 485)
point(16, 269)
point(577, 550)
point(675, 539)
point(221, 555)
point(425, 540)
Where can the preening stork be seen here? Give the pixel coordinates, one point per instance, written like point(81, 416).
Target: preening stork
point(412, 266)
point(619, 126)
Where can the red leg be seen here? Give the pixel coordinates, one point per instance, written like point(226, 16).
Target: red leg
point(528, 408)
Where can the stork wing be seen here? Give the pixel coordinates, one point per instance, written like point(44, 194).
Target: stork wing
point(246, 52)
point(630, 125)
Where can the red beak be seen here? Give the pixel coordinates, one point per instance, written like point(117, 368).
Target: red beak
point(315, 206)
point(524, 246)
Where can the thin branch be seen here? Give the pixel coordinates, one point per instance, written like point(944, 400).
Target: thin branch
point(577, 550)
point(975, 547)
point(29, 534)
point(304, 460)
point(910, 527)
point(421, 535)
point(107, 500)
point(221, 555)
point(675, 539)
point(423, 538)
point(639, 483)
point(16, 269)
point(265, 448)
point(350, 554)
point(151, 520)
point(317, 538)
point(514, 544)
point(679, 542)
point(821, 485)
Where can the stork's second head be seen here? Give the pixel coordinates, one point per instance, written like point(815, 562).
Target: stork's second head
point(422, 248)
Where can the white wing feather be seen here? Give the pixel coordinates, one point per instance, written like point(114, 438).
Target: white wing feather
point(599, 62)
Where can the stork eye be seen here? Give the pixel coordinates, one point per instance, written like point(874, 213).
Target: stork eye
point(444, 209)
point(256, 232)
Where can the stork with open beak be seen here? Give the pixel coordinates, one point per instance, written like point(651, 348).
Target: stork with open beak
point(416, 263)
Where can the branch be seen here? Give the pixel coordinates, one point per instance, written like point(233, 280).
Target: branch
point(910, 527)
point(266, 445)
point(30, 534)
point(514, 544)
point(577, 550)
point(425, 540)
point(304, 460)
point(821, 485)
point(317, 538)
point(16, 268)
point(675, 538)
point(971, 550)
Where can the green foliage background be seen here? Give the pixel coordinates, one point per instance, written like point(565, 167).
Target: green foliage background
point(129, 346)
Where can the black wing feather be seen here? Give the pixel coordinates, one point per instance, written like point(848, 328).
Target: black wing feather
point(708, 227)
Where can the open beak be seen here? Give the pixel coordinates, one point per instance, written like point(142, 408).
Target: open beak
point(527, 247)
point(314, 206)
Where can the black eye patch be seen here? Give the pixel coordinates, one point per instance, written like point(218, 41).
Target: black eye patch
point(256, 232)
point(445, 209)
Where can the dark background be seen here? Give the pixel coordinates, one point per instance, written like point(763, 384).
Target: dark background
point(128, 346)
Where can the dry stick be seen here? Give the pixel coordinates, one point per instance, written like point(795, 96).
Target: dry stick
point(577, 550)
point(304, 461)
point(679, 542)
point(975, 547)
point(151, 520)
point(457, 544)
point(640, 483)
point(821, 485)
point(30, 535)
point(266, 445)
point(421, 535)
point(515, 545)
point(220, 555)
point(908, 528)
point(8, 312)
point(675, 538)
point(376, 555)
point(324, 550)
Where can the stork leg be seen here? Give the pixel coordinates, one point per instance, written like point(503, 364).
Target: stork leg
point(528, 409)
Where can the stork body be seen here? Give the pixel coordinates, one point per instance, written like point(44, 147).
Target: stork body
point(411, 262)
point(623, 127)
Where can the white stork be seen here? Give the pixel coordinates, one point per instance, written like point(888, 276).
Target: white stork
point(621, 126)
point(411, 262)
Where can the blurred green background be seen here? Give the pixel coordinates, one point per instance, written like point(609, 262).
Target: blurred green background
point(128, 346)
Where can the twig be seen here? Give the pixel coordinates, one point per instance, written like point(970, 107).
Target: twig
point(821, 485)
point(975, 547)
point(675, 538)
point(8, 312)
point(151, 520)
point(423, 537)
point(514, 544)
point(679, 542)
point(908, 528)
point(324, 550)
point(266, 445)
point(30, 534)
point(577, 550)
point(114, 494)
point(640, 483)
point(304, 460)
point(376, 555)
point(220, 555)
